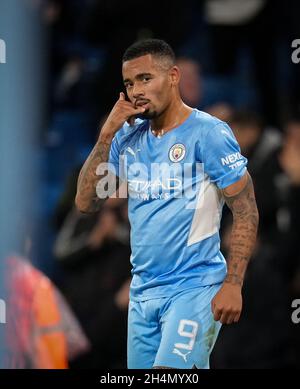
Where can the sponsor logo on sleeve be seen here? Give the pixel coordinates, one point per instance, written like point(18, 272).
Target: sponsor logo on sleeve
point(233, 160)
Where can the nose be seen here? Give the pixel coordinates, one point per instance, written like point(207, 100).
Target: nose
point(137, 91)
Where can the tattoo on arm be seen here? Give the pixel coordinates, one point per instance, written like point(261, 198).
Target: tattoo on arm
point(86, 198)
point(244, 230)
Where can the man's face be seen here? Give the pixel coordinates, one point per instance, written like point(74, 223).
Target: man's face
point(148, 84)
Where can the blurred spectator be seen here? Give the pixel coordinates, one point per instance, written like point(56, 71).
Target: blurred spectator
point(259, 144)
point(221, 110)
point(262, 337)
point(289, 188)
point(236, 25)
point(190, 81)
point(94, 253)
point(43, 332)
point(274, 269)
point(289, 216)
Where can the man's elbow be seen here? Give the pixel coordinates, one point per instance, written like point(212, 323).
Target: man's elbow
point(82, 206)
point(88, 206)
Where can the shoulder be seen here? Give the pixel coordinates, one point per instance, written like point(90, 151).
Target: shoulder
point(213, 135)
point(208, 128)
point(205, 122)
point(128, 132)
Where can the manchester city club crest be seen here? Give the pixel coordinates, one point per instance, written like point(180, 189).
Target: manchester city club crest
point(177, 152)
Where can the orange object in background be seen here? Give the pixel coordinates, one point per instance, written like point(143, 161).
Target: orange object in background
point(42, 331)
point(49, 339)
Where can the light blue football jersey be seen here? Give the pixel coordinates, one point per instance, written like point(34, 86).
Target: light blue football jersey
point(175, 202)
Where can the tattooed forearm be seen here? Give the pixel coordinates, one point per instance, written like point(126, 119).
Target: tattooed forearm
point(86, 197)
point(244, 230)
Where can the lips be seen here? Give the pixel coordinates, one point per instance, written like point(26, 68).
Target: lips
point(141, 103)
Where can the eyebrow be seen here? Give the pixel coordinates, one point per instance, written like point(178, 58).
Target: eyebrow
point(138, 77)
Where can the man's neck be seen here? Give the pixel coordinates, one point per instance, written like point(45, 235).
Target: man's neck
point(174, 115)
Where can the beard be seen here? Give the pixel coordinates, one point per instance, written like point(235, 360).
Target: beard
point(148, 115)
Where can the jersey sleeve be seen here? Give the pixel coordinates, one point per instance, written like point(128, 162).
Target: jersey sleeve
point(221, 156)
point(114, 156)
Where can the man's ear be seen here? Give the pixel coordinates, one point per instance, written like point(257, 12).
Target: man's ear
point(174, 74)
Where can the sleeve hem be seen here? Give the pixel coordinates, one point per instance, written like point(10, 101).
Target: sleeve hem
point(230, 178)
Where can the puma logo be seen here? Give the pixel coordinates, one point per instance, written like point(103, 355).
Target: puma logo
point(176, 351)
point(225, 132)
point(130, 151)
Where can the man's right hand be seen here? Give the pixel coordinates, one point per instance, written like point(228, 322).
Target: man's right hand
point(87, 199)
point(122, 111)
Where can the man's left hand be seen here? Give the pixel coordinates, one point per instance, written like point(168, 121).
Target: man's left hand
point(227, 304)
